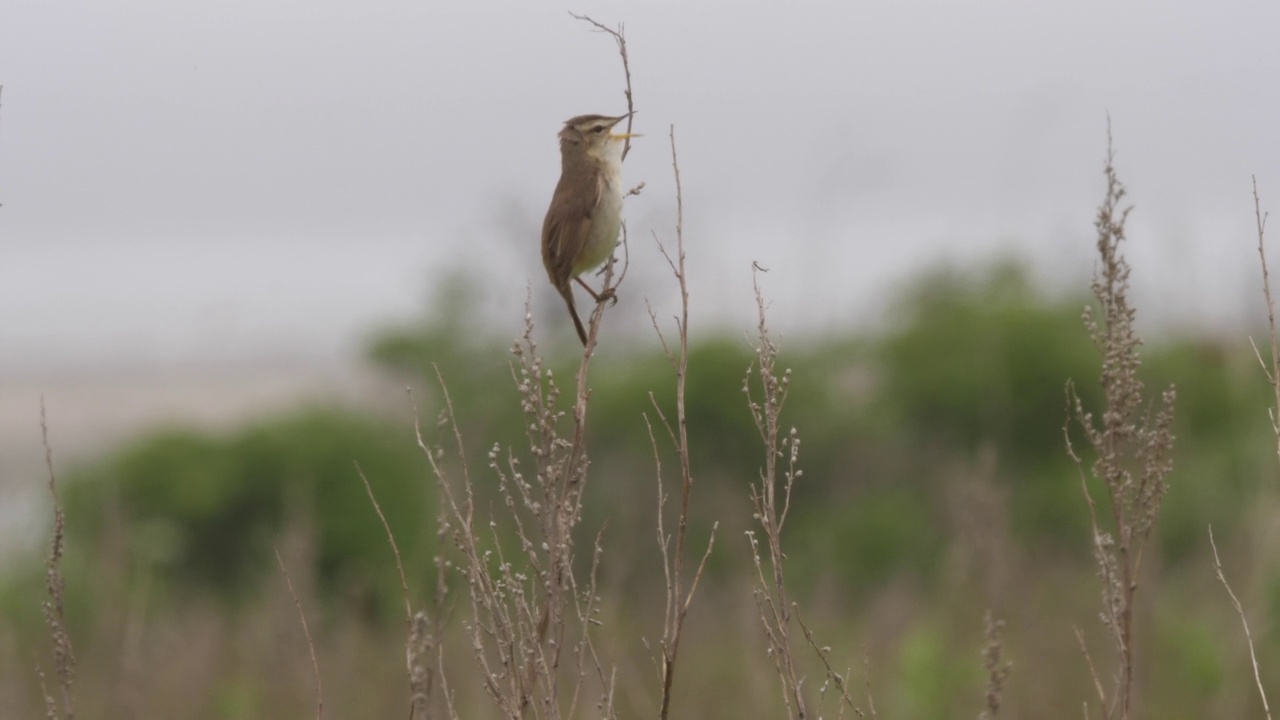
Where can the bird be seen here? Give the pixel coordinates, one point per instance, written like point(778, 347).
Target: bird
point(580, 231)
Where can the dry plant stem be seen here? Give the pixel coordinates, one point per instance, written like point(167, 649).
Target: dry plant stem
point(866, 682)
point(562, 485)
point(421, 633)
point(395, 549)
point(565, 483)
point(563, 490)
point(587, 611)
point(1093, 671)
point(1273, 370)
point(64, 658)
point(619, 37)
point(1132, 445)
point(485, 600)
point(427, 632)
point(771, 592)
point(306, 631)
point(521, 605)
point(1253, 657)
point(841, 682)
point(678, 597)
point(444, 687)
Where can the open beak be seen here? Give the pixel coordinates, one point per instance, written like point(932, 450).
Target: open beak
point(622, 136)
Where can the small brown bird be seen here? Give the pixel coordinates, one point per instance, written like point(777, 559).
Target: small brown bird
point(580, 231)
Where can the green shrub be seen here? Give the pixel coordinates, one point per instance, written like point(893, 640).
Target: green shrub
point(205, 509)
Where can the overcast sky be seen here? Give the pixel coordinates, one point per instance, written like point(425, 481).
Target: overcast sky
point(248, 177)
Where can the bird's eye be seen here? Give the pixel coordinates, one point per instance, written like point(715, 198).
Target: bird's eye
point(597, 129)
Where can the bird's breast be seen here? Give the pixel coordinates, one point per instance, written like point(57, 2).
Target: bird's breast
point(606, 222)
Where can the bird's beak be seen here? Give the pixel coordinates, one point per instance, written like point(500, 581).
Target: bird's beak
point(622, 136)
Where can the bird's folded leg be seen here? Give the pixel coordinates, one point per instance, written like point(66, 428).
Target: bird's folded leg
point(604, 295)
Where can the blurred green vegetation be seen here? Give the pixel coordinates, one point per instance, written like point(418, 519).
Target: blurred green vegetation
point(205, 510)
point(975, 364)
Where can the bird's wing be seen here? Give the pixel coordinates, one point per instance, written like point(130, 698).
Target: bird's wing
point(565, 229)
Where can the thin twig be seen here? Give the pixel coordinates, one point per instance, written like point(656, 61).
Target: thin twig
point(395, 549)
point(771, 499)
point(1273, 372)
point(417, 637)
point(841, 682)
point(64, 658)
point(866, 681)
point(311, 646)
point(679, 593)
point(1253, 657)
point(480, 583)
point(1093, 671)
point(619, 37)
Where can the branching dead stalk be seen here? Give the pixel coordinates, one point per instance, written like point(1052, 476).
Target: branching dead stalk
point(1271, 369)
point(840, 681)
point(525, 605)
point(679, 592)
point(1132, 443)
point(771, 499)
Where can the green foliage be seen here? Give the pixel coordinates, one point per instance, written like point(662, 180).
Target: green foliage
point(206, 509)
point(984, 359)
point(868, 539)
point(1224, 443)
point(974, 362)
point(930, 675)
point(981, 361)
point(1191, 662)
point(719, 424)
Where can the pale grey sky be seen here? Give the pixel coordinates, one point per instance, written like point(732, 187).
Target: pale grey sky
point(248, 178)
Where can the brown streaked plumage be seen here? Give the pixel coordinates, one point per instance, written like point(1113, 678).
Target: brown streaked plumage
point(580, 231)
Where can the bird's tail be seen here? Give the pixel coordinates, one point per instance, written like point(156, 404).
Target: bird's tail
point(567, 292)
